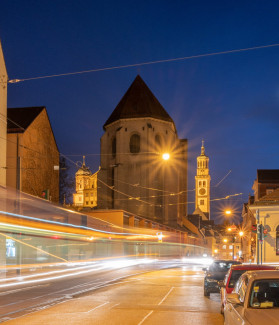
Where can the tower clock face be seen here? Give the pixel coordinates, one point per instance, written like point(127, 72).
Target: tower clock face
point(202, 191)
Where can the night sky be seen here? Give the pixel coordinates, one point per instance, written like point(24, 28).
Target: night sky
point(229, 100)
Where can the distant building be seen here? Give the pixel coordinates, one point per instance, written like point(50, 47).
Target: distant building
point(266, 202)
point(3, 118)
point(133, 175)
point(86, 188)
point(202, 202)
point(32, 153)
point(267, 181)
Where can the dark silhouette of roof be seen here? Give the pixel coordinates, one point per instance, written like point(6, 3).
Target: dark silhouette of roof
point(268, 175)
point(18, 119)
point(138, 102)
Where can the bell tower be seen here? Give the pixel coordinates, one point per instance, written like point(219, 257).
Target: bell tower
point(203, 183)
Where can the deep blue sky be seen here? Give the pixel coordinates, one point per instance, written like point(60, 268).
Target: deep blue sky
point(229, 100)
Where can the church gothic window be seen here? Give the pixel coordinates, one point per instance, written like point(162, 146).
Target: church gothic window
point(113, 147)
point(158, 141)
point(135, 143)
point(277, 240)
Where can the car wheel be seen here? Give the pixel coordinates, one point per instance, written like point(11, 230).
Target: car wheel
point(206, 293)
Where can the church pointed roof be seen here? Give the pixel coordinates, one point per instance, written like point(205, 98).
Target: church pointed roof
point(138, 102)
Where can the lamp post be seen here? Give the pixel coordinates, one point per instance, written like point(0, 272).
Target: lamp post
point(241, 233)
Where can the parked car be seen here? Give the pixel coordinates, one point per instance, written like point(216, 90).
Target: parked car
point(233, 275)
point(216, 272)
point(255, 299)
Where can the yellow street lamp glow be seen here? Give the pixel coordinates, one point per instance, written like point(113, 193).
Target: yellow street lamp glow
point(225, 240)
point(228, 212)
point(166, 156)
point(229, 229)
point(241, 233)
point(215, 250)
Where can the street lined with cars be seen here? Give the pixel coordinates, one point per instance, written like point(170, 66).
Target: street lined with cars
point(227, 286)
point(255, 299)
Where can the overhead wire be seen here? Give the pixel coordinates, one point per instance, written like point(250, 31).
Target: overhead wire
point(146, 63)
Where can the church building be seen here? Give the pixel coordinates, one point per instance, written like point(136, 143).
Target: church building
point(202, 201)
point(86, 188)
point(133, 176)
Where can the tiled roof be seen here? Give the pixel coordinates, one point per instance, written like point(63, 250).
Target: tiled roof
point(18, 119)
point(273, 196)
point(138, 102)
point(268, 175)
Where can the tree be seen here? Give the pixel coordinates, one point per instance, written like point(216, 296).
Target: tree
point(66, 182)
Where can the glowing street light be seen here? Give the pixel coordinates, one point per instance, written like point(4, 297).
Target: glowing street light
point(225, 240)
point(228, 212)
point(166, 156)
point(241, 233)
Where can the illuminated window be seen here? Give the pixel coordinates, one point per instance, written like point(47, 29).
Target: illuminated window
point(224, 247)
point(135, 143)
point(231, 247)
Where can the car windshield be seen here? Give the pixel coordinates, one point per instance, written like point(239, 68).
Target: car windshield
point(220, 266)
point(234, 277)
point(265, 294)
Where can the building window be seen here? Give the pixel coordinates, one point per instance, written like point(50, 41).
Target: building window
point(224, 247)
point(158, 141)
point(277, 240)
point(231, 247)
point(92, 202)
point(204, 183)
point(113, 147)
point(201, 202)
point(135, 143)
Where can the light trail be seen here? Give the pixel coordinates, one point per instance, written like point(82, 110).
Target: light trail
point(109, 265)
point(70, 225)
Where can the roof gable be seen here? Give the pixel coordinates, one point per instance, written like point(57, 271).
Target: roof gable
point(138, 102)
point(19, 119)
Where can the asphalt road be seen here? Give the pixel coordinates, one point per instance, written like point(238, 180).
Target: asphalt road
point(167, 296)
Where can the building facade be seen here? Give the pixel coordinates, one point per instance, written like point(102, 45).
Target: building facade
point(202, 201)
point(133, 176)
point(3, 118)
point(266, 202)
point(32, 153)
point(86, 188)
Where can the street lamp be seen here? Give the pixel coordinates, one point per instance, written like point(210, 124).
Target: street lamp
point(241, 233)
point(228, 212)
point(166, 156)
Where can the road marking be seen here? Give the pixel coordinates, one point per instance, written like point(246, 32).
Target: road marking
point(145, 317)
point(166, 296)
point(22, 289)
point(105, 303)
point(114, 305)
